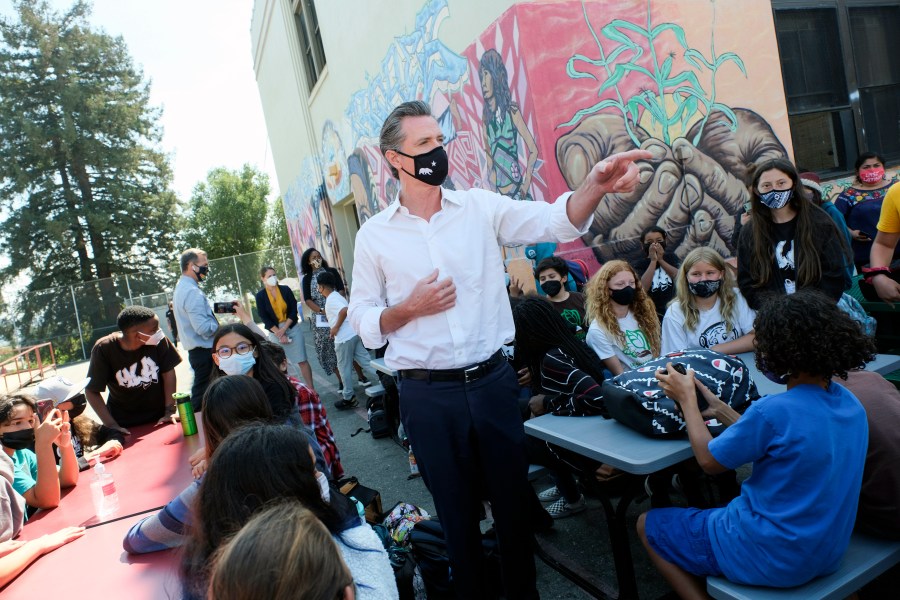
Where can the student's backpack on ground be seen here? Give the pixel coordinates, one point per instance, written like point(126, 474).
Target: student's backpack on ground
point(430, 552)
point(379, 424)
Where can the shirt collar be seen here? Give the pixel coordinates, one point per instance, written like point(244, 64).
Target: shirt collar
point(190, 280)
point(449, 195)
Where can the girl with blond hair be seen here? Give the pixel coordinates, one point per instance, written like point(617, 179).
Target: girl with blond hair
point(708, 312)
point(624, 329)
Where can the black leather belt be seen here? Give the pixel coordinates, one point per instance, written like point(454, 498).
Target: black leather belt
point(467, 374)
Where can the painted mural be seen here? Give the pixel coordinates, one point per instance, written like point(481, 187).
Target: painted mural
point(552, 87)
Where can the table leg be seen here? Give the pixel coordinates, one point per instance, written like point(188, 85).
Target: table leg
point(618, 537)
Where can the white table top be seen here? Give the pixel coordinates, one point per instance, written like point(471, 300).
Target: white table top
point(610, 442)
point(378, 365)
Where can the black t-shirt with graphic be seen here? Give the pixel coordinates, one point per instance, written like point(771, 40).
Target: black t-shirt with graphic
point(134, 378)
point(785, 267)
point(572, 310)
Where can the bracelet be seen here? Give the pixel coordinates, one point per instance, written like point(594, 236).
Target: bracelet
point(873, 272)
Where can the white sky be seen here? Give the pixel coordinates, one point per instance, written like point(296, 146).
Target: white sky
point(196, 54)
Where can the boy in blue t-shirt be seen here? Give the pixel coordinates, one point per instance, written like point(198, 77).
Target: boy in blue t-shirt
point(793, 519)
point(36, 476)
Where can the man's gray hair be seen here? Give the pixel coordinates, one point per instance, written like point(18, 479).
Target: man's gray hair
point(392, 137)
point(190, 255)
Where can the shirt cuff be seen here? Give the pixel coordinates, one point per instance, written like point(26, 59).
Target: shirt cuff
point(370, 328)
point(562, 228)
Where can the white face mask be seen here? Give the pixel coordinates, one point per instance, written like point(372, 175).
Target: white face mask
point(324, 490)
point(154, 339)
point(272, 281)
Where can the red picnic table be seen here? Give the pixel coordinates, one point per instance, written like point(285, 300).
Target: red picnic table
point(151, 471)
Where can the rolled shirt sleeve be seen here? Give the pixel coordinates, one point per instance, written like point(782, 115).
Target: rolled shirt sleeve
point(518, 222)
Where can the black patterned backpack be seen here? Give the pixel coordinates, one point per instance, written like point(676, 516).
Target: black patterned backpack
point(635, 399)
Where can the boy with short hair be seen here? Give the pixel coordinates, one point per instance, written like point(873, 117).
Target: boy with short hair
point(552, 275)
point(137, 365)
point(35, 474)
point(347, 345)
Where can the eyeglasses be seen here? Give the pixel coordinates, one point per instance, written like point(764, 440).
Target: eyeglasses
point(241, 348)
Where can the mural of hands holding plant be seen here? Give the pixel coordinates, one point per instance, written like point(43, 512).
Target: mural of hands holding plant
point(694, 185)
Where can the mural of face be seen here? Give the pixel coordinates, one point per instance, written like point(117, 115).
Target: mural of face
point(487, 85)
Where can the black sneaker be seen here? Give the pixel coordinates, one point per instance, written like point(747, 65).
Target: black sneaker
point(346, 404)
point(364, 382)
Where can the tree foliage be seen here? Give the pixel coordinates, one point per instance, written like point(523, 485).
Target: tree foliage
point(83, 184)
point(228, 212)
point(277, 235)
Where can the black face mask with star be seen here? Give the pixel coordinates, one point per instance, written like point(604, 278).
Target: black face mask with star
point(430, 167)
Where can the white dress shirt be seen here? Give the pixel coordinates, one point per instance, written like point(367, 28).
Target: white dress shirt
point(395, 249)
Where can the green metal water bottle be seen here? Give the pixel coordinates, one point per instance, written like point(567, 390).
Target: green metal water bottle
point(186, 413)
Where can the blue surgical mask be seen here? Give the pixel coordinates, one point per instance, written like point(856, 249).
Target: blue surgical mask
point(237, 364)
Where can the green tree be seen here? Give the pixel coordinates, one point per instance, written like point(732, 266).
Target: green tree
point(83, 183)
point(276, 227)
point(228, 212)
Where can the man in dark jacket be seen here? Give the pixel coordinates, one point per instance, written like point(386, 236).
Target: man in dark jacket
point(277, 307)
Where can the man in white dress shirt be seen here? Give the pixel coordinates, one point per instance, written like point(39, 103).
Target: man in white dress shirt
point(428, 278)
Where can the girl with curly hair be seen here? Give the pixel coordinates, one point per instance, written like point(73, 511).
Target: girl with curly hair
point(807, 445)
point(624, 330)
point(789, 243)
point(708, 311)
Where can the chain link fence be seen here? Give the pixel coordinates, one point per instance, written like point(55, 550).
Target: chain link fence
point(74, 317)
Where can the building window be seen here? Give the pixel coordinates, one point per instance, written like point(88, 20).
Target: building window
point(310, 40)
point(842, 89)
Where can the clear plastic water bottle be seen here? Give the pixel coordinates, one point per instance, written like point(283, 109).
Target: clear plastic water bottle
point(103, 491)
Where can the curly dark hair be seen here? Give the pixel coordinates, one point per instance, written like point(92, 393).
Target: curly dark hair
point(305, 267)
point(806, 332)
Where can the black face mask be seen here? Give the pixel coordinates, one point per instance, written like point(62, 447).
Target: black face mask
point(551, 287)
point(704, 289)
point(202, 272)
point(18, 440)
point(79, 403)
point(431, 167)
point(625, 296)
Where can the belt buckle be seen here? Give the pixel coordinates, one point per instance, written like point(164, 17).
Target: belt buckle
point(472, 373)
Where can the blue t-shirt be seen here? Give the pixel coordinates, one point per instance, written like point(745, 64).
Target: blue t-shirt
point(25, 470)
point(793, 519)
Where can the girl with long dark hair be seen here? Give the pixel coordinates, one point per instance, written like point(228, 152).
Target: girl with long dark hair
point(229, 402)
point(789, 243)
point(566, 377)
point(238, 350)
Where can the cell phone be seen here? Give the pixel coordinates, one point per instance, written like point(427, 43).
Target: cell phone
point(222, 308)
point(43, 408)
point(702, 404)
